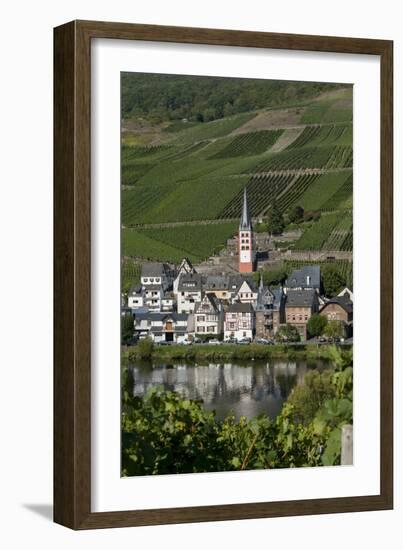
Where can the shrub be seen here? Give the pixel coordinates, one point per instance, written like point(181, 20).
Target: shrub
point(145, 348)
point(288, 333)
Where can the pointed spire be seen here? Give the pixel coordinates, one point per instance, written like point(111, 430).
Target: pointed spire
point(261, 283)
point(245, 222)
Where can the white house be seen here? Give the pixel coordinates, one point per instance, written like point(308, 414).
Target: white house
point(209, 316)
point(246, 293)
point(239, 321)
point(168, 302)
point(156, 274)
point(152, 297)
point(185, 268)
point(189, 293)
point(135, 298)
point(162, 327)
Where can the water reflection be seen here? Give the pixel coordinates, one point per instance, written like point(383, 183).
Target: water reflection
point(246, 390)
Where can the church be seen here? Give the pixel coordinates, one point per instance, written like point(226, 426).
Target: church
point(247, 256)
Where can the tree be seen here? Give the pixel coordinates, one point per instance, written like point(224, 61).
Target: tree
point(333, 281)
point(296, 214)
point(275, 222)
point(288, 333)
point(316, 324)
point(334, 329)
point(127, 328)
point(271, 277)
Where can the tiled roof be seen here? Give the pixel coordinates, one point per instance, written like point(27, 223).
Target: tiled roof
point(239, 307)
point(153, 269)
point(300, 298)
point(190, 282)
point(306, 277)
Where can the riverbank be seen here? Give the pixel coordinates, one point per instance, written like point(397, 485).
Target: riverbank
point(230, 352)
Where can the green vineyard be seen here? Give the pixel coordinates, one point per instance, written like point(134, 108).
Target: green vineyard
point(295, 192)
point(326, 157)
point(262, 191)
point(342, 198)
point(252, 143)
point(130, 273)
point(341, 236)
point(171, 244)
point(322, 190)
point(323, 135)
point(185, 170)
point(317, 235)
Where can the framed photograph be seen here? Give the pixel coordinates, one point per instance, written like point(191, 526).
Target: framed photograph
point(222, 275)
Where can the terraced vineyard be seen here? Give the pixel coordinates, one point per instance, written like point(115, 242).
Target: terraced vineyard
point(171, 244)
point(187, 170)
point(252, 143)
point(322, 189)
point(341, 237)
point(130, 273)
point(342, 197)
point(262, 191)
point(326, 157)
point(333, 134)
point(296, 191)
point(317, 235)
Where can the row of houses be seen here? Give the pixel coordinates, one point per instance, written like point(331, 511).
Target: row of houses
point(177, 305)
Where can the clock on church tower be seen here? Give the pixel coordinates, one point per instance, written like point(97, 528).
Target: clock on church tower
point(245, 240)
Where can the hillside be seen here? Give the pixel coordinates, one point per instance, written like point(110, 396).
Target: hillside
point(182, 181)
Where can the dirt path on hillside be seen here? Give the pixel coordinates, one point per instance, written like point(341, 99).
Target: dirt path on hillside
point(286, 138)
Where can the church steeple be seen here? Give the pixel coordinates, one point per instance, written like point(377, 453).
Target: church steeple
point(245, 223)
point(245, 240)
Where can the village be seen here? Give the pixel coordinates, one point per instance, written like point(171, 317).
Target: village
point(177, 304)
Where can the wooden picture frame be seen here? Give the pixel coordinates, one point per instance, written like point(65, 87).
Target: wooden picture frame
point(72, 271)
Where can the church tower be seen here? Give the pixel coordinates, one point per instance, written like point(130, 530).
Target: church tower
point(245, 240)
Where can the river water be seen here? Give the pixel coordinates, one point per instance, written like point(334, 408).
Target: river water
point(246, 390)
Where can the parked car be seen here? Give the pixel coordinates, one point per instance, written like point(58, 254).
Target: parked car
point(322, 339)
point(262, 341)
point(244, 341)
point(337, 339)
point(214, 342)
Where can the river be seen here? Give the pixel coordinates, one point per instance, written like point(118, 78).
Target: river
point(246, 390)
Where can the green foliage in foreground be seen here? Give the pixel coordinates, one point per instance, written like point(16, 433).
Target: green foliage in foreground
point(163, 433)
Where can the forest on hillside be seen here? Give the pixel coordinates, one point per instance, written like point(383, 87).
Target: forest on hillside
point(159, 98)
